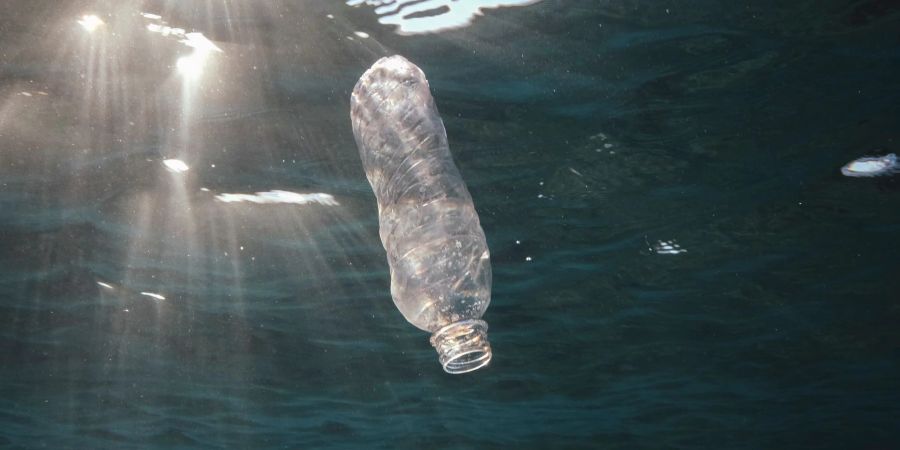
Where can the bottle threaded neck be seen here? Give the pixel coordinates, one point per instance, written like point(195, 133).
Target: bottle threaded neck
point(462, 346)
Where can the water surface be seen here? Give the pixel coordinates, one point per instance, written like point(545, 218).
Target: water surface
point(139, 310)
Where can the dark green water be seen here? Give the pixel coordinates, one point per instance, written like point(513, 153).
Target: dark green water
point(587, 131)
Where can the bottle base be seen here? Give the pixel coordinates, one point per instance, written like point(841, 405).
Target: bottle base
point(462, 346)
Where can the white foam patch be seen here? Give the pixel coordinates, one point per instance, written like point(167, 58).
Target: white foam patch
point(432, 16)
point(279, 197)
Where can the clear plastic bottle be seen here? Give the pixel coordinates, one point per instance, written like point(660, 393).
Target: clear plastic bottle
point(439, 259)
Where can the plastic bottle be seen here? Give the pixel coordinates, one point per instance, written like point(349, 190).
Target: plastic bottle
point(438, 257)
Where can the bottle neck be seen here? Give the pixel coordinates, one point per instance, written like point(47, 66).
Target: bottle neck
point(462, 346)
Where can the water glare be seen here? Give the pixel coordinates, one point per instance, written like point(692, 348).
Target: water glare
point(199, 42)
point(191, 66)
point(176, 165)
point(276, 197)
point(432, 16)
point(872, 166)
point(90, 22)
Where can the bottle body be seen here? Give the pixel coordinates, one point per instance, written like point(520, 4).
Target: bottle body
point(436, 249)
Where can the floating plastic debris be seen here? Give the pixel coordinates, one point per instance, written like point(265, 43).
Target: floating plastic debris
point(432, 16)
point(105, 285)
point(279, 197)
point(872, 166)
point(361, 34)
point(436, 249)
point(175, 165)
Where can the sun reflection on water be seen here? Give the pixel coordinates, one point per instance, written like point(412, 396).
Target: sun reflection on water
point(175, 165)
point(276, 197)
point(90, 22)
point(153, 295)
point(191, 66)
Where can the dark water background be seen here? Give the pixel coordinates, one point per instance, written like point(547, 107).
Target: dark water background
point(587, 132)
